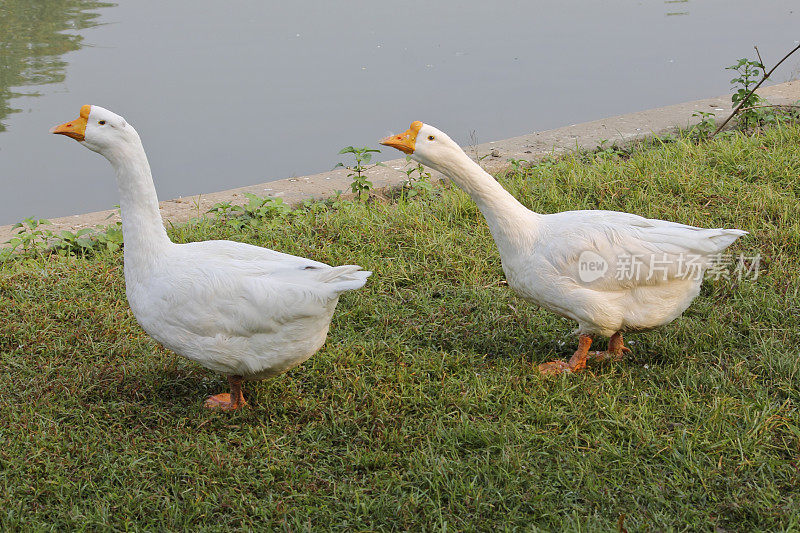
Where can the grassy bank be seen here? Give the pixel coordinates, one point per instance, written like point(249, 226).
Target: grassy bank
point(424, 409)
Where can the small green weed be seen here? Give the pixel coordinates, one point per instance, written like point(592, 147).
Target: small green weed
point(706, 126)
point(357, 172)
point(256, 208)
point(88, 239)
point(31, 236)
point(224, 211)
point(517, 165)
point(259, 208)
point(608, 150)
point(748, 74)
point(605, 151)
point(418, 182)
point(34, 239)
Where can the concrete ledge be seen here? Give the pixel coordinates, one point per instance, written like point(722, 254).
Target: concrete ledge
point(531, 147)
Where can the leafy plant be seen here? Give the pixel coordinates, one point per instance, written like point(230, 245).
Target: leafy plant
point(32, 237)
point(88, 239)
point(80, 239)
point(357, 172)
point(256, 208)
point(608, 150)
point(313, 206)
point(110, 237)
point(317, 206)
point(706, 126)
point(749, 72)
point(546, 163)
point(517, 165)
point(259, 207)
point(418, 182)
point(224, 210)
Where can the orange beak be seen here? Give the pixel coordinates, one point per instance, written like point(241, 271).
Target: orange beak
point(404, 142)
point(75, 128)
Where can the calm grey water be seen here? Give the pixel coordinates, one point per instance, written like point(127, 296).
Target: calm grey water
point(226, 94)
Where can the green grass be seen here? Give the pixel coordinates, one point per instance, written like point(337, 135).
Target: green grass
point(424, 409)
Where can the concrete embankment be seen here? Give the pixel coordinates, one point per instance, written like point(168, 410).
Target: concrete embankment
point(531, 147)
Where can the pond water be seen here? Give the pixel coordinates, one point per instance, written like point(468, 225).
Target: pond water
point(226, 94)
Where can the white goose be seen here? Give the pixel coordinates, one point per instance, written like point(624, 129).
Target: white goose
point(240, 310)
point(609, 271)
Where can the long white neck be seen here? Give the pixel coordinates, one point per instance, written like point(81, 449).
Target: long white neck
point(511, 223)
point(142, 227)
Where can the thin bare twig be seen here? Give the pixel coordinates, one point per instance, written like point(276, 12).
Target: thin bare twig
point(759, 57)
point(763, 79)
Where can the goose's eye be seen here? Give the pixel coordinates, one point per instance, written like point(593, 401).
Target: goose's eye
point(430, 137)
point(102, 122)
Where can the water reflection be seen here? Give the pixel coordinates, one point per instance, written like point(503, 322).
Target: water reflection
point(35, 35)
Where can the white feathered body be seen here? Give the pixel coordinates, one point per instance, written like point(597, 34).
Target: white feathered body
point(237, 309)
point(653, 268)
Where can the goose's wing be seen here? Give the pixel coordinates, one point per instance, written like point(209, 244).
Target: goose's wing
point(233, 291)
point(635, 250)
point(239, 251)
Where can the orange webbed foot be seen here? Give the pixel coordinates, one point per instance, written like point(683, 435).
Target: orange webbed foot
point(610, 356)
point(226, 401)
point(223, 402)
point(576, 363)
point(554, 368)
point(615, 352)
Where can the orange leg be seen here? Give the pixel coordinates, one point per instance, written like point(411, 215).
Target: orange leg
point(576, 363)
point(228, 402)
point(616, 349)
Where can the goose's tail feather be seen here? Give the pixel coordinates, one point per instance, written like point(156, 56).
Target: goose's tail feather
point(725, 237)
point(345, 278)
